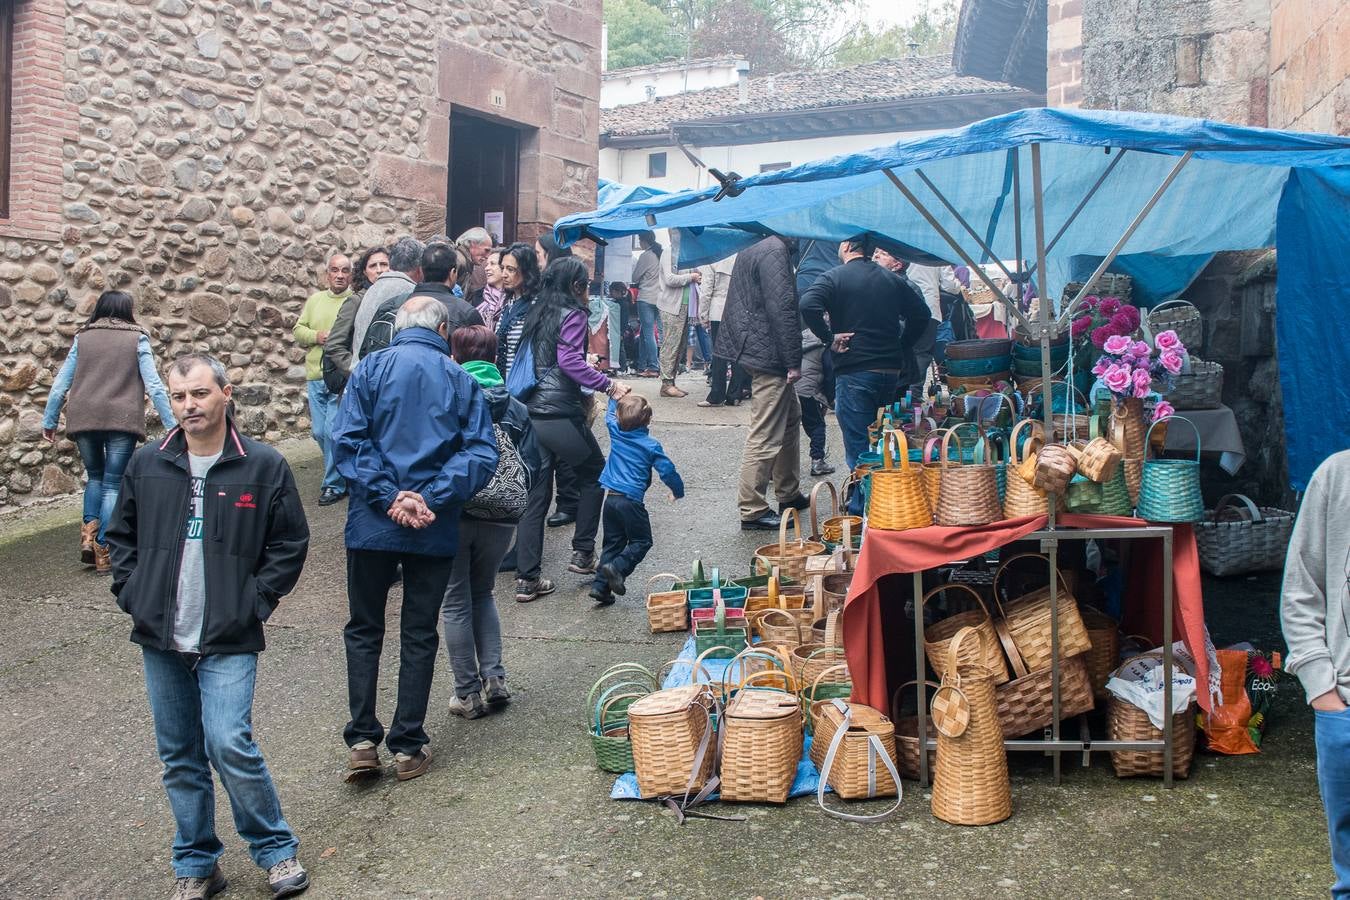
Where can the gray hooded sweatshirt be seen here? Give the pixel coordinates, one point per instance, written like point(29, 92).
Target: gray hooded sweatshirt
point(1315, 607)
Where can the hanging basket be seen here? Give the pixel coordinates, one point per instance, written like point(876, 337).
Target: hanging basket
point(1100, 459)
point(1200, 388)
point(898, 501)
point(967, 493)
point(1169, 489)
point(1055, 467)
point(1238, 539)
point(937, 638)
point(1182, 317)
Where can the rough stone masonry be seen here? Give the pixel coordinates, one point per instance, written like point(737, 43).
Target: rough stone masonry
point(206, 155)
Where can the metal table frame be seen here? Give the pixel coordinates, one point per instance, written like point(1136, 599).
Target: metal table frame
point(1056, 744)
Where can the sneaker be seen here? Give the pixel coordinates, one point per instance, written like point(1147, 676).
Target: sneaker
point(613, 580)
point(495, 691)
point(821, 467)
point(470, 707)
point(364, 761)
point(410, 767)
point(583, 563)
point(528, 589)
point(287, 878)
point(328, 496)
point(601, 596)
point(200, 888)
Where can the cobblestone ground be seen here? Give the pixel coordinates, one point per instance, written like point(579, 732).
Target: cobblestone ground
point(513, 805)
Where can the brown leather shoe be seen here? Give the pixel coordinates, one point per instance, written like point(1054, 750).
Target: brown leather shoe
point(670, 390)
point(364, 761)
point(88, 536)
point(410, 767)
point(102, 560)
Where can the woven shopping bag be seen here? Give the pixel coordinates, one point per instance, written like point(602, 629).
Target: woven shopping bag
point(898, 499)
point(1169, 489)
point(970, 782)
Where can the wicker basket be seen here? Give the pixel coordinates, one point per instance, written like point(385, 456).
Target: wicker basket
point(1021, 496)
point(967, 493)
point(761, 745)
point(970, 781)
point(1104, 633)
point(907, 734)
point(1237, 540)
point(1028, 619)
point(1169, 489)
point(1027, 703)
point(607, 713)
point(937, 638)
point(789, 557)
point(1055, 466)
point(1100, 460)
point(984, 348)
point(672, 733)
point(1127, 722)
point(784, 626)
point(978, 382)
point(1108, 284)
point(1134, 474)
point(666, 610)
point(1201, 388)
point(854, 751)
point(898, 501)
point(811, 662)
point(932, 468)
point(1182, 317)
point(832, 529)
point(774, 595)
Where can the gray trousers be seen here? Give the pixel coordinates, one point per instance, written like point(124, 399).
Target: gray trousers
point(473, 633)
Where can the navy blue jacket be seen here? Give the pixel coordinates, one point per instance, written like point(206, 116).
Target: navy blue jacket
point(632, 456)
point(412, 420)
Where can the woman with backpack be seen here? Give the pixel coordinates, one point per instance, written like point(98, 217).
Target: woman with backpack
point(108, 373)
point(473, 634)
point(557, 390)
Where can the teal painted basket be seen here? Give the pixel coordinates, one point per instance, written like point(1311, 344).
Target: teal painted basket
point(1169, 489)
point(971, 368)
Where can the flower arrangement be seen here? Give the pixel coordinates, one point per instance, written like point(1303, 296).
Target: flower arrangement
point(1103, 318)
point(1129, 368)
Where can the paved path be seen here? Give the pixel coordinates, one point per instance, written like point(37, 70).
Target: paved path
point(513, 806)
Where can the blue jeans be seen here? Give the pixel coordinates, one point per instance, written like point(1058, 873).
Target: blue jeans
point(1332, 731)
point(698, 339)
point(857, 397)
point(323, 407)
point(105, 455)
point(203, 719)
point(648, 358)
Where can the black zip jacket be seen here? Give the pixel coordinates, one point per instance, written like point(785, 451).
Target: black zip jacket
point(253, 546)
point(883, 311)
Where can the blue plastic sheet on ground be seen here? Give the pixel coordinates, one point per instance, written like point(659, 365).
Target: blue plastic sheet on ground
point(807, 780)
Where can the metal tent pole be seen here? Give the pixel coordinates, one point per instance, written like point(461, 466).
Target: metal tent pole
point(964, 224)
point(1091, 192)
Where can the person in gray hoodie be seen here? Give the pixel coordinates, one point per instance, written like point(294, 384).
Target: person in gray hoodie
point(1315, 613)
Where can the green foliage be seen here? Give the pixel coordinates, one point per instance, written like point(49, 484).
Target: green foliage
point(640, 33)
point(933, 30)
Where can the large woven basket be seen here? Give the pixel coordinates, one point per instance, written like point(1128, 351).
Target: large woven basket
point(1127, 722)
point(967, 493)
point(761, 744)
point(1027, 703)
point(672, 733)
point(1200, 388)
point(898, 501)
point(937, 638)
point(1238, 540)
point(970, 780)
point(1104, 633)
point(789, 557)
point(1028, 619)
point(1021, 496)
point(1182, 317)
point(854, 750)
point(1169, 489)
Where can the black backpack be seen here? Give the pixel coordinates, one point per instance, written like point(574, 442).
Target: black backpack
point(380, 333)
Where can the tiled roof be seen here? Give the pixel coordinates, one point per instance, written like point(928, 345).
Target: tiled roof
point(671, 65)
point(875, 82)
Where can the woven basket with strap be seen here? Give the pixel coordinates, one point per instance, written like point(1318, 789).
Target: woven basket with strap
point(856, 757)
point(970, 781)
point(898, 501)
point(1237, 540)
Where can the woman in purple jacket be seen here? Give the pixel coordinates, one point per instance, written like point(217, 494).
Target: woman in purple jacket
point(556, 329)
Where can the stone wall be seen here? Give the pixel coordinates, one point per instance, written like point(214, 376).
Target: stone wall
point(1310, 65)
point(206, 155)
point(1064, 53)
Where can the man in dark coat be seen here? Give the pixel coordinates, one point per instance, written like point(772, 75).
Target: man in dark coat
point(762, 331)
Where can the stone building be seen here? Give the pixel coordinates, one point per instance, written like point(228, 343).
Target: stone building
point(206, 155)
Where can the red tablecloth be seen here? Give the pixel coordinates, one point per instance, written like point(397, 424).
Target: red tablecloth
point(899, 552)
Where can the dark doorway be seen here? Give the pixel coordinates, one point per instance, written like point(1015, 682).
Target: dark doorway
point(484, 157)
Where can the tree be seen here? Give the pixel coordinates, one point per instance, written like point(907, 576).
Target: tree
point(932, 32)
point(640, 34)
point(743, 28)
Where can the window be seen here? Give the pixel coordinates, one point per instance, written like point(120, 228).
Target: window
point(773, 167)
point(6, 79)
point(656, 165)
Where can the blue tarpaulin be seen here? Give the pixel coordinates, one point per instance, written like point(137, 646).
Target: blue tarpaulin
point(1245, 188)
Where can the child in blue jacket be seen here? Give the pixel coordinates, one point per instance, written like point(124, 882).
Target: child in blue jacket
point(633, 453)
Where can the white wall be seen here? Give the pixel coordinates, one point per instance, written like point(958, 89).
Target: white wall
point(620, 90)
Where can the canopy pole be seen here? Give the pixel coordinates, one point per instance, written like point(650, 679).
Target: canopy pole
point(975, 268)
point(1043, 307)
point(964, 224)
point(1129, 232)
point(1092, 192)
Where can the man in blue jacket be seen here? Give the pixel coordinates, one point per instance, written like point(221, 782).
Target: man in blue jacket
point(414, 440)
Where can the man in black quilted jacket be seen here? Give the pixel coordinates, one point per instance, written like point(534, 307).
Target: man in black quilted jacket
point(762, 331)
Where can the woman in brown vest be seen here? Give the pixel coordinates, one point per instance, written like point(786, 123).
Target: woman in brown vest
point(108, 373)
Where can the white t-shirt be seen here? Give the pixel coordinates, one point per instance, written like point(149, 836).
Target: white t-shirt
point(191, 605)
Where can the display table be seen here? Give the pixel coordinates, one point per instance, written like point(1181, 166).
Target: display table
point(1219, 434)
point(1148, 594)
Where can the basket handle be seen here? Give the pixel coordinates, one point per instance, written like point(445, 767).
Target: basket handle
point(1013, 459)
point(1227, 499)
point(1148, 435)
point(789, 513)
point(674, 580)
point(1064, 586)
point(847, 526)
point(749, 653)
point(626, 670)
point(942, 455)
point(791, 619)
point(933, 441)
point(596, 708)
point(953, 650)
point(815, 685)
point(695, 667)
point(1010, 649)
point(696, 569)
point(1175, 301)
point(895, 698)
point(875, 750)
point(901, 449)
point(789, 683)
point(959, 586)
point(834, 503)
point(597, 725)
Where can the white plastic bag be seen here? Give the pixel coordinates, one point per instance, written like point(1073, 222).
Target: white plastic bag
point(1140, 683)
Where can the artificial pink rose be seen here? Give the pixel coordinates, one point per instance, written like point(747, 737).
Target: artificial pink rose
point(1141, 350)
point(1100, 368)
point(1091, 301)
point(1141, 391)
point(1081, 326)
point(1109, 305)
point(1171, 361)
point(1168, 340)
point(1117, 379)
point(1163, 410)
point(1116, 344)
point(1142, 378)
point(1099, 336)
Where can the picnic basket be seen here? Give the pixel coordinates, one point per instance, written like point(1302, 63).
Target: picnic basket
point(671, 732)
point(761, 736)
point(854, 750)
point(1239, 539)
point(1026, 702)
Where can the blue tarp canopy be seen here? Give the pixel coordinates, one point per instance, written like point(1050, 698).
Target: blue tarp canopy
point(1243, 188)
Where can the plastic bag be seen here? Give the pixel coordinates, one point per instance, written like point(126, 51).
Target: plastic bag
point(1140, 682)
point(1225, 725)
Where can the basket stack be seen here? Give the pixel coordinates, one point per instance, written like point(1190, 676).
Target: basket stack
point(976, 364)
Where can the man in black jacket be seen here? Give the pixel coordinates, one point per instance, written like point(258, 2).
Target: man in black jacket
point(208, 536)
point(762, 331)
point(439, 265)
point(874, 318)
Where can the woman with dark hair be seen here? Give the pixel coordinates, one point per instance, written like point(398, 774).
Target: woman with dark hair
point(369, 266)
point(108, 373)
point(520, 281)
point(491, 298)
point(556, 329)
point(473, 634)
point(549, 249)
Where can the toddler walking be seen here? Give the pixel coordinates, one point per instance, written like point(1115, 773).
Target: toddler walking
point(633, 453)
